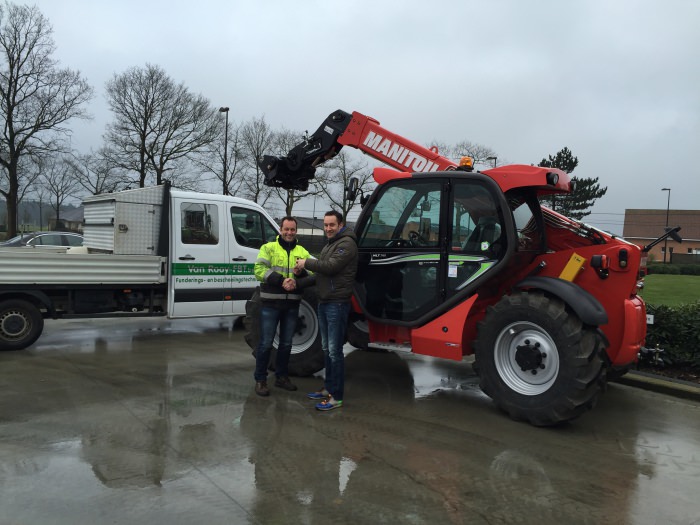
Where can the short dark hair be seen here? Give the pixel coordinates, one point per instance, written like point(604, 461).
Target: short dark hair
point(288, 218)
point(335, 214)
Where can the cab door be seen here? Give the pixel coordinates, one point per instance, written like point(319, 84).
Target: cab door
point(248, 229)
point(401, 261)
point(198, 257)
point(425, 242)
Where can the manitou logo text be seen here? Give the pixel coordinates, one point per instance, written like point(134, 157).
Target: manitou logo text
point(401, 154)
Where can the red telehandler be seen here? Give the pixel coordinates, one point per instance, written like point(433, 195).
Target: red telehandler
point(455, 262)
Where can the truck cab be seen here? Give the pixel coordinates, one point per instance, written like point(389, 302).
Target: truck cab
point(215, 241)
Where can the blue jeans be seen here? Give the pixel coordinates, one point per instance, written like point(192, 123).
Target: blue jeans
point(269, 319)
point(333, 322)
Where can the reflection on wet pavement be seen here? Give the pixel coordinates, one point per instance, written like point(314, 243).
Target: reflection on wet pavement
point(154, 421)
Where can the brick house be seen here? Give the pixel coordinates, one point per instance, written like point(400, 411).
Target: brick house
point(643, 226)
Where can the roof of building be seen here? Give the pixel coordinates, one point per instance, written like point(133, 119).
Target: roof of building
point(649, 224)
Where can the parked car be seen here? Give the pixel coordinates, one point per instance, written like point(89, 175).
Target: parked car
point(44, 239)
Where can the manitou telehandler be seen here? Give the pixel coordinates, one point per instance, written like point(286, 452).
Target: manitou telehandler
point(455, 262)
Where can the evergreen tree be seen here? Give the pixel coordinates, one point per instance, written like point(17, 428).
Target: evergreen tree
point(586, 190)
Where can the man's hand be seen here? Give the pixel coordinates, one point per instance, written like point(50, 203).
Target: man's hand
point(299, 266)
point(289, 284)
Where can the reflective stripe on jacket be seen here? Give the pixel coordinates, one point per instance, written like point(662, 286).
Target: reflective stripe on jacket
point(274, 264)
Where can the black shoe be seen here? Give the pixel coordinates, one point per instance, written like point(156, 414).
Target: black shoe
point(284, 382)
point(261, 388)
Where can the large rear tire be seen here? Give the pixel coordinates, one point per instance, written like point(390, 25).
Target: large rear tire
point(307, 355)
point(537, 360)
point(21, 324)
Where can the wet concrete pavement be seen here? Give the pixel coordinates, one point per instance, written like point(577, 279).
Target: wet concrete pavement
point(155, 421)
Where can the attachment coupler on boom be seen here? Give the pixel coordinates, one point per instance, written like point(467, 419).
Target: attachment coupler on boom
point(293, 171)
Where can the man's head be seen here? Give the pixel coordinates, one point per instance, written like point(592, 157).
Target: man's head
point(332, 222)
point(288, 229)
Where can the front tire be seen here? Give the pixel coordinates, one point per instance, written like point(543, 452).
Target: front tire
point(358, 331)
point(537, 360)
point(307, 355)
point(21, 324)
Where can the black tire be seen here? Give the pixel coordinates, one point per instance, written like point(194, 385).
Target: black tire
point(358, 331)
point(537, 360)
point(307, 354)
point(21, 324)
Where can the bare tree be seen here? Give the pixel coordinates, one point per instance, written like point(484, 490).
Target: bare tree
point(94, 173)
point(157, 123)
point(41, 195)
point(337, 174)
point(37, 98)
point(210, 161)
point(481, 154)
point(57, 177)
point(257, 139)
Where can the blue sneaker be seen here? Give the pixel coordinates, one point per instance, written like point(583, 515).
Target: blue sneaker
point(321, 394)
point(329, 404)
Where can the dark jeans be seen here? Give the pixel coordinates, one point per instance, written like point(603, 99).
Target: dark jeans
point(269, 319)
point(333, 322)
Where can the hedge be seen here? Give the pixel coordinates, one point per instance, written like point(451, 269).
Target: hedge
point(674, 269)
point(676, 329)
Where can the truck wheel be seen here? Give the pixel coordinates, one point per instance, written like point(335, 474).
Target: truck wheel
point(307, 354)
point(358, 331)
point(537, 360)
point(21, 323)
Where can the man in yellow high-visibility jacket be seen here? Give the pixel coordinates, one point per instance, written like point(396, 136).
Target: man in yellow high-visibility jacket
point(280, 294)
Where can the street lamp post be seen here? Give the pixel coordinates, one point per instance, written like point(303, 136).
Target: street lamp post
point(668, 205)
point(493, 159)
point(225, 183)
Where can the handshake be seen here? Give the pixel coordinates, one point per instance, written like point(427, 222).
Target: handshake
point(290, 284)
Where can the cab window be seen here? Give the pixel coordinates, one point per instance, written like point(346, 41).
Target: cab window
point(405, 216)
point(477, 226)
point(199, 223)
point(251, 228)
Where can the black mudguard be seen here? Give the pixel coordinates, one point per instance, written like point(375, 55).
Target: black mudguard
point(587, 307)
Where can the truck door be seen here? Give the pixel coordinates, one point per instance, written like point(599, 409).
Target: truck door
point(198, 258)
point(248, 229)
point(422, 242)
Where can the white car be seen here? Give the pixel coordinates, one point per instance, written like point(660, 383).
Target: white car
point(44, 240)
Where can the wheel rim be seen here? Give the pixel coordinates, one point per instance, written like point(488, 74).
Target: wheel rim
point(305, 331)
point(14, 325)
point(526, 358)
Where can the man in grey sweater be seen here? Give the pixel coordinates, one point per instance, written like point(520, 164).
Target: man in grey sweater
point(334, 272)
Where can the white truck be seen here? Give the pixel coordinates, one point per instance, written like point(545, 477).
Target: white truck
point(147, 252)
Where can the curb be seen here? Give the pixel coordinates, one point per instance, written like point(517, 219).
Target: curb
point(661, 384)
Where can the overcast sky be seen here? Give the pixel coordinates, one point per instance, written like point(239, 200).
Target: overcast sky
point(615, 81)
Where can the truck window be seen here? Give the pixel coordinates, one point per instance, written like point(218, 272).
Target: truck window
point(200, 223)
point(251, 228)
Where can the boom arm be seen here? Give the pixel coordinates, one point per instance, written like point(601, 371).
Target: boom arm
point(293, 171)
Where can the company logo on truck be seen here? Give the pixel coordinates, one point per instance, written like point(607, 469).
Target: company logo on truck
point(213, 273)
point(398, 153)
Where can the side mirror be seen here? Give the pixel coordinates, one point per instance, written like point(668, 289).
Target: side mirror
point(351, 190)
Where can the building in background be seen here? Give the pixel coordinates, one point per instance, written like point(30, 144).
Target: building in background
point(644, 226)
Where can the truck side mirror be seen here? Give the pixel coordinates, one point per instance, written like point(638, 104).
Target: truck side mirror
point(351, 190)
